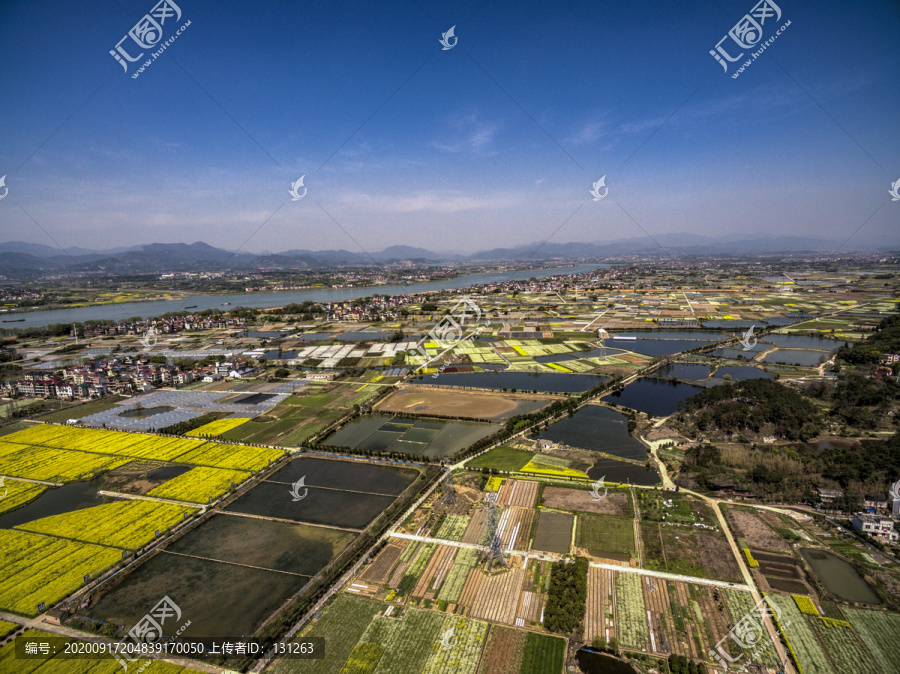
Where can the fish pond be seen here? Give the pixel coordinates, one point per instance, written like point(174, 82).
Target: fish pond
point(839, 577)
point(520, 381)
point(742, 373)
point(796, 357)
point(57, 501)
point(658, 397)
point(682, 371)
point(434, 438)
point(597, 428)
point(659, 347)
point(622, 472)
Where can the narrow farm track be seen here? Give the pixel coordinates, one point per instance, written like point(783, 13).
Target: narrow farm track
point(269, 518)
point(156, 499)
point(246, 566)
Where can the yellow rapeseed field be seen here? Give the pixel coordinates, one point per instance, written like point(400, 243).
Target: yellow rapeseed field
point(53, 465)
point(123, 524)
point(14, 494)
point(236, 457)
point(216, 428)
point(199, 484)
point(40, 569)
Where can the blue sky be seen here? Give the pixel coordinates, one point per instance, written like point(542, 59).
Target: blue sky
point(492, 143)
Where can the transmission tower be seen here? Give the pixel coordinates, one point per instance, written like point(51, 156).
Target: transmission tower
point(495, 552)
point(449, 493)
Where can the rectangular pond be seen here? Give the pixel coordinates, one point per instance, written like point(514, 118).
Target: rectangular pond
point(381, 433)
point(655, 396)
point(349, 475)
point(520, 381)
point(597, 428)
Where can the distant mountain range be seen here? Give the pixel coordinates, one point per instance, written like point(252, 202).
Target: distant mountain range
point(21, 260)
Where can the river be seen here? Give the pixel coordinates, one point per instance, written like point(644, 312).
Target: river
point(124, 311)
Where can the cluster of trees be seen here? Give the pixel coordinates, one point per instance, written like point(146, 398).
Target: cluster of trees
point(183, 427)
point(885, 339)
point(566, 596)
point(678, 664)
point(750, 405)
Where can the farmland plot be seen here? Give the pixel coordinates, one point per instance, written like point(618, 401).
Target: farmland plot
point(516, 528)
point(342, 625)
point(410, 646)
point(530, 609)
point(554, 532)
point(465, 647)
point(436, 571)
point(39, 569)
point(378, 570)
point(600, 534)
point(123, 524)
point(497, 596)
point(656, 599)
point(631, 613)
point(801, 638)
point(741, 604)
point(503, 651)
point(843, 648)
point(617, 501)
point(200, 484)
point(54, 465)
point(600, 609)
point(453, 528)
point(543, 653)
point(880, 633)
point(519, 493)
point(20, 493)
point(416, 567)
point(465, 560)
point(476, 532)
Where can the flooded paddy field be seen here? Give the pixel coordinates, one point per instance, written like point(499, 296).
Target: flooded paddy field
point(415, 437)
point(349, 475)
point(220, 599)
point(796, 357)
point(739, 373)
point(278, 546)
point(332, 507)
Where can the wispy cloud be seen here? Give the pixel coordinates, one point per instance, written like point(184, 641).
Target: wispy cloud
point(435, 202)
point(469, 133)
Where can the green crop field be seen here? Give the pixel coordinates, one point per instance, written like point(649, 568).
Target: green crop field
point(341, 625)
point(543, 653)
point(502, 458)
point(600, 533)
point(880, 633)
point(631, 617)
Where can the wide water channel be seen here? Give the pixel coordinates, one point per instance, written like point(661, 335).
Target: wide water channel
point(121, 312)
